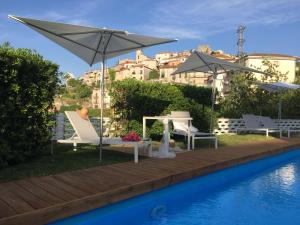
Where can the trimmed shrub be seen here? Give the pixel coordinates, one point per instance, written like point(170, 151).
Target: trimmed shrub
point(27, 86)
point(201, 95)
point(69, 108)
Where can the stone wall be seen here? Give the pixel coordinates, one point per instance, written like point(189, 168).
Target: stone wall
point(226, 126)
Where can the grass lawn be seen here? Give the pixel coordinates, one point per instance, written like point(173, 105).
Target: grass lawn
point(227, 140)
point(65, 159)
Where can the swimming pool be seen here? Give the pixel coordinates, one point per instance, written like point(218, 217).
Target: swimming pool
point(262, 192)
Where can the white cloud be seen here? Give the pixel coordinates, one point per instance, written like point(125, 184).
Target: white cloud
point(78, 13)
point(195, 19)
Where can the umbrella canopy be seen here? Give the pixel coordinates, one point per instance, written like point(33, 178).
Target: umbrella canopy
point(279, 87)
point(92, 45)
point(201, 62)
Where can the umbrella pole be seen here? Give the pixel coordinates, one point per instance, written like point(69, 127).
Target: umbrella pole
point(213, 102)
point(279, 109)
point(101, 108)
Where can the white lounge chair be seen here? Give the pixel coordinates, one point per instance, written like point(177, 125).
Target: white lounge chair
point(86, 134)
point(269, 123)
point(252, 124)
point(185, 128)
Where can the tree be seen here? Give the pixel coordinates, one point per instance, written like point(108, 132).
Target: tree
point(83, 91)
point(112, 74)
point(297, 78)
point(73, 82)
point(77, 89)
point(154, 74)
point(272, 72)
point(245, 97)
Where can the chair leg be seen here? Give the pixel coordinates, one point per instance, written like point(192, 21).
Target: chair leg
point(136, 153)
point(193, 142)
point(216, 143)
point(150, 150)
point(74, 146)
point(267, 133)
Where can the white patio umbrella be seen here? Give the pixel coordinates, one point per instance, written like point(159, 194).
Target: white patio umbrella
point(92, 45)
point(201, 62)
point(278, 87)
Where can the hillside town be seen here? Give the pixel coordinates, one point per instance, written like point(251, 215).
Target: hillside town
point(163, 64)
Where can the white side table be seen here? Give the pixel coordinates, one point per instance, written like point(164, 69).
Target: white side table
point(164, 149)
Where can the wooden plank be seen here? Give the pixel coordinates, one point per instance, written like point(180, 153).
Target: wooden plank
point(127, 172)
point(66, 187)
point(6, 210)
point(77, 182)
point(141, 170)
point(26, 196)
point(123, 178)
point(41, 193)
point(100, 183)
point(14, 201)
point(66, 196)
point(105, 181)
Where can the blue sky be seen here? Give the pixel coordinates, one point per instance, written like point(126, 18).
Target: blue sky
point(273, 26)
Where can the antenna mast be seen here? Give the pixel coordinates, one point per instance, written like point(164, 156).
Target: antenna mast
point(241, 40)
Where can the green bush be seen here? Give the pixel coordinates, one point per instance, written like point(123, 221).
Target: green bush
point(27, 86)
point(92, 112)
point(96, 112)
point(78, 89)
point(132, 99)
point(201, 95)
point(112, 74)
point(291, 110)
point(154, 74)
point(69, 108)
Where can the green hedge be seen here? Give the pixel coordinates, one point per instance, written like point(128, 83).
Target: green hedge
point(92, 112)
point(27, 86)
point(201, 95)
point(132, 99)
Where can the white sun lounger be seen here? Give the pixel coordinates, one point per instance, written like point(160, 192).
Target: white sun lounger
point(185, 128)
point(252, 124)
point(86, 134)
point(268, 122)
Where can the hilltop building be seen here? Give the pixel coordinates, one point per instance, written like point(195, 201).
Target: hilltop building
point(95, 99)
point(91, 78)
point(138, 69)
point(286, 64)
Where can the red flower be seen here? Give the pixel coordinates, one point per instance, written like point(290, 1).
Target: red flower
point(131, 136)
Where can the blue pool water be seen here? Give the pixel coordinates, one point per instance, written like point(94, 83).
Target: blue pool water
point(263, 192)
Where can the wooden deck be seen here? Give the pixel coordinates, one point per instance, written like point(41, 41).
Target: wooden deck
point(41, 200)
